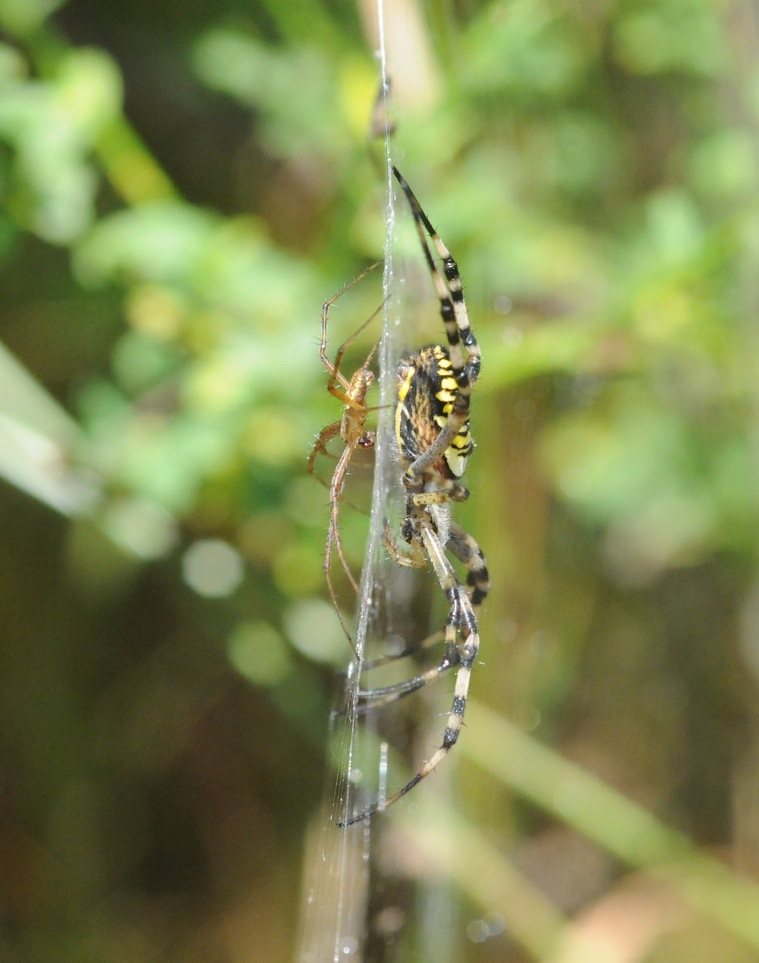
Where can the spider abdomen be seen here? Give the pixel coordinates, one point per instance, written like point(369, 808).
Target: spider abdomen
point(427, 391)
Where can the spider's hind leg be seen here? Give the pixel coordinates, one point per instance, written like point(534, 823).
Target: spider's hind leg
point(469, 553)
point(461, 637)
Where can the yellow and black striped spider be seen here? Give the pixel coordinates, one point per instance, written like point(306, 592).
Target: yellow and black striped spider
point(352, 430)
point(434, 387)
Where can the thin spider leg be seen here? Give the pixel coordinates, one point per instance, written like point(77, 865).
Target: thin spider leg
point(416, 649)
point(334, 368)
point(348, 396)
point(335, 375)
point(333, 538)
point(320, 446)
point(461, 615)
point(333, 532)
point(450, 736)
point(444, 293)
point(469, 553)
point(343, 623)
point(373, 697)
point(369, 664)
point(414, 558)
point(449, 290)
point(385, 695)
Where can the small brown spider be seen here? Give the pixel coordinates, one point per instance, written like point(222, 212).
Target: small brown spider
point(352, 430)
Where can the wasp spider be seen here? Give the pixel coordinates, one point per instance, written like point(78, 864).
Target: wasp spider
point(434, 388)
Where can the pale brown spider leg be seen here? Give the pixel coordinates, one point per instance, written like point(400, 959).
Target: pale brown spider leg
point(320, 445)
point(334, 368)
point(320, 448)
point(334, 539)
point(413, 558)
point(333, 534)
point(347, 397)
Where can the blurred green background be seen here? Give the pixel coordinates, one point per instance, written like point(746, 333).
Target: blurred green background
point(182, 185)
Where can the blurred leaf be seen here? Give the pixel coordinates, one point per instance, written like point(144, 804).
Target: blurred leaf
point(616, 822)
point(38, 441)
point(678, 35)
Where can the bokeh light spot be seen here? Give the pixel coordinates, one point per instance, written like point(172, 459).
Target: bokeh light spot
point(259, 653)
point(212, 568)
point(314, 630)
